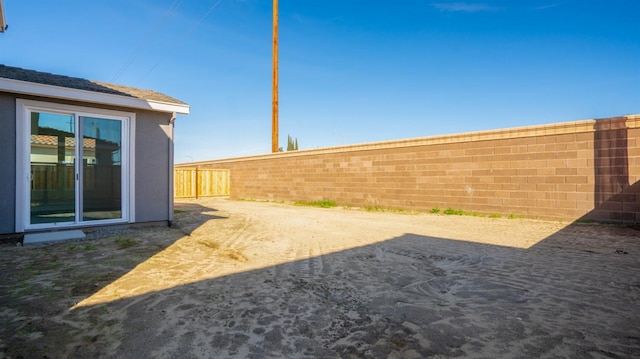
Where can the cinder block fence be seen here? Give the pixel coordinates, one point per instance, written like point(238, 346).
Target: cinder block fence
point(574, 170)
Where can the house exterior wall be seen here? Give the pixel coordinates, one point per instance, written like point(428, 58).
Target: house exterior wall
point(8, 160)
point(153, 133)
point(585, 169)
point(152, 173)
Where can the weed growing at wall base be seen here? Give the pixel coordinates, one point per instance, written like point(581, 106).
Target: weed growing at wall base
point(322, 204)
point(389, 210)
point(459, 212)
point(435, 210)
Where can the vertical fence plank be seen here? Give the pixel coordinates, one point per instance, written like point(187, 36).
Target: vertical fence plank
point(201, 182)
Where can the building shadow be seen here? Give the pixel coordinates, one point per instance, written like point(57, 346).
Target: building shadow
point(67, 272)
point(571, 294)
point(408, 296)
point(191, 214)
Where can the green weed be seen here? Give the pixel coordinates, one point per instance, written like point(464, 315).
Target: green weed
point(321, 204)
point(474, 214)
point(125, 242)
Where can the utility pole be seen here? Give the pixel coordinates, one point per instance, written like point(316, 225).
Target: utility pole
point(274, 118)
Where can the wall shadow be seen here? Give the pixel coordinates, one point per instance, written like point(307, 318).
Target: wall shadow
point(615, 198)
point(412, 295)
point(192, 215)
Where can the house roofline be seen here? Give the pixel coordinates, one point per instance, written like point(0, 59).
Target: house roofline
point(37, 89)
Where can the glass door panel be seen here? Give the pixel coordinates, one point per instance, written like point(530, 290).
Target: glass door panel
point(52, 161)
point(101, 169)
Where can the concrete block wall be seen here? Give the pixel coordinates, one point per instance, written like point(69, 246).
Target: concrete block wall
point(585, 169)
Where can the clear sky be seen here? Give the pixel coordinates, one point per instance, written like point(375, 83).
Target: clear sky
point(351, 71)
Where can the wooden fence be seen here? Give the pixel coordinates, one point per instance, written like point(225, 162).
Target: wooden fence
point(199, 182)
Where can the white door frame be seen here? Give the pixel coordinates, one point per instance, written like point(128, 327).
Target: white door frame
point(23, 162)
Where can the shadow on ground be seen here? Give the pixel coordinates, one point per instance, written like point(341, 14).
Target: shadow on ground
point(40, 283)
point(411, 296)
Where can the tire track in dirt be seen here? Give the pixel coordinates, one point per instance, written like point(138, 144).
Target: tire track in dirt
point(344, 283)
point(408, 294)
point(228, 238)
point(309, 262)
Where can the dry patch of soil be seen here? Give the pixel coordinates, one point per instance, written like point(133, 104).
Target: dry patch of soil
point(256, 280)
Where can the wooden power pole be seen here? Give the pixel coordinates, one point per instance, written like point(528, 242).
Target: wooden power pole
point(274, 118)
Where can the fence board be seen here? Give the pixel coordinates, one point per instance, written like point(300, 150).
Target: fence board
point(199, 182)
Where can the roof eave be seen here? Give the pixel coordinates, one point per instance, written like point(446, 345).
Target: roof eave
point(36, 89)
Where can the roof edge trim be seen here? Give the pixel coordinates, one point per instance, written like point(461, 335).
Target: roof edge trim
point(33, 88)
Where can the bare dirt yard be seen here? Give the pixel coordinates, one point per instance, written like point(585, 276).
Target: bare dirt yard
point(240, 279)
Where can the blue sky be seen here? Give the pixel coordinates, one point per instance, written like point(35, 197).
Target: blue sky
point(351, 71)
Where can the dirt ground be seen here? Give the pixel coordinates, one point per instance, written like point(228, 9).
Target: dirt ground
point(241, 279)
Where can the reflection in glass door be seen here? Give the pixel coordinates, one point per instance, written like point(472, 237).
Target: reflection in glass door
point(66, 193)
point(52, 162)
point(101, 169)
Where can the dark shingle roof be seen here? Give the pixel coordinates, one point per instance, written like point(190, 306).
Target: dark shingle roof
point(16, 73)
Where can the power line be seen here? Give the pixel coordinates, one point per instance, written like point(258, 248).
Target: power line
point(169, 12)
point(181, 40)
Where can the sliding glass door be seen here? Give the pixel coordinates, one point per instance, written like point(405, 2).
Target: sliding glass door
point(101, 168)
point(53, 174)
point(77, 169)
